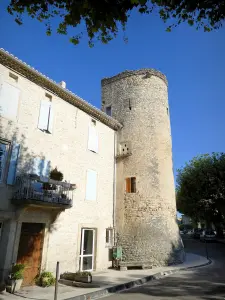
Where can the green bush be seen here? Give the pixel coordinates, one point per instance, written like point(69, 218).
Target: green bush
point(17, 271)
point(45, 279)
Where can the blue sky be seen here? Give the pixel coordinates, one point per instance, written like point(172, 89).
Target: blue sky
point(193, 61)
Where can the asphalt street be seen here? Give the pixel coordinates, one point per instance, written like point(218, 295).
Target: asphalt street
point(205, 283)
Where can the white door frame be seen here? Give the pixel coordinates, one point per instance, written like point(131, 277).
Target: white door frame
point(82, 255)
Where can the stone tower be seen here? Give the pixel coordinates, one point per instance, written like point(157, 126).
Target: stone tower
point(145, 210)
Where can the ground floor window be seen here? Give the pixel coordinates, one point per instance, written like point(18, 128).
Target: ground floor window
point(87, 248)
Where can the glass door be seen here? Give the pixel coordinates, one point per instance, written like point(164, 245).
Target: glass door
point(87, 249)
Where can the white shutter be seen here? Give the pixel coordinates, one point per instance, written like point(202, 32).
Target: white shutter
point(9, 100)
point(44, 115)
point(13, 163)
point(91, 185)
point(50, 120)
point(93, 138)
point(40, 167)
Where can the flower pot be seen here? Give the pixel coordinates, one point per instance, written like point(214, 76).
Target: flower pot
point(83, 278)
point(13, 286)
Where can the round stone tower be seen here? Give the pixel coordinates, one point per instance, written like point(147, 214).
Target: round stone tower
point(145, 211)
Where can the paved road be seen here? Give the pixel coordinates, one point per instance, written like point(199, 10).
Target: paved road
point(206, 283)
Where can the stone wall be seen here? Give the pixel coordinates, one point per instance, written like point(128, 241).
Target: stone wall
point(145, 220)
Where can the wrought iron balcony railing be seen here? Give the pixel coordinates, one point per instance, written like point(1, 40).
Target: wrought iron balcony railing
point(33, 189)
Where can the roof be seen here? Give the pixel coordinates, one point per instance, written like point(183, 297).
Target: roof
point(35, 76)
point(128, 73)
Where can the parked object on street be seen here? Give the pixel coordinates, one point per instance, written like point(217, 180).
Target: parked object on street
point(197, 233)
point(15, 278)
point(208, 235)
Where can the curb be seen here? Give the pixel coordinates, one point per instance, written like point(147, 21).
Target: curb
point(135, 283)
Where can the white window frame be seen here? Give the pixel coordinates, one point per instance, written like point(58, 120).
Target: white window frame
point(82, 254)
point(93, 140)
point(15, 115)
point(48, 126)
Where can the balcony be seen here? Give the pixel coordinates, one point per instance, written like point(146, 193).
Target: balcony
point(33, 190)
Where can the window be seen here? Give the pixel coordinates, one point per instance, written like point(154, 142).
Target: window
point(13, 76)
point(91, 185)
point(12, 166)
point(9, 100)
point(40, 167)
point(3, 159)
point(45, 122)
point(93, 137)
point(108, 110)
point(131, 185)
point(109, 237)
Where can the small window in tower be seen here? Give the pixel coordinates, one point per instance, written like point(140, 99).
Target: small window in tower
point(129, 104)
point(167, 109)
point(108, 110)
point(131, 185)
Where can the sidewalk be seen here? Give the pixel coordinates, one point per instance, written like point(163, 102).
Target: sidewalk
point(109, 281)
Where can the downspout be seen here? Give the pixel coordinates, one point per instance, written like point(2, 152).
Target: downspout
point(114, 189)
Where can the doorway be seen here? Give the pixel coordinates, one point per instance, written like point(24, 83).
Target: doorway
point(30, 250)
point(87, 249)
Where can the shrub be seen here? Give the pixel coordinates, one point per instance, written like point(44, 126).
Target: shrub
point(45, 279)
point(17, 271)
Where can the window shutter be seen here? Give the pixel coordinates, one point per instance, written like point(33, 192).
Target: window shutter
point(128, 185)
point(3, 153)
point(44, 115)
point(91, 185)
point(13, 163)
point(50, 120)
point(9, 99)
point(93, 138)
point(41, 167)
point(96, 141)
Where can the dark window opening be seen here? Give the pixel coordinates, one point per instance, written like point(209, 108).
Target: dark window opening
point(108, 110)
point(129, 104)
point(131, 185)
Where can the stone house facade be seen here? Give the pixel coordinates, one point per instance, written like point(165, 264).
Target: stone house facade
point(103, 194)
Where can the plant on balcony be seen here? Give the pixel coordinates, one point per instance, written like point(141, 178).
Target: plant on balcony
point(45, 279)
point(56, 175)
point(15, 278)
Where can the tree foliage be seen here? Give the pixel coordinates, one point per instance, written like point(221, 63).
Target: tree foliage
point(103, 18)
point(201, 188)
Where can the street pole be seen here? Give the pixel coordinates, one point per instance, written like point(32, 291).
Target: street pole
point(56, 281)
point(206, 250)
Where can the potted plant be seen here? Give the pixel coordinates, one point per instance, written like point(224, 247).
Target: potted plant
point(45, 279)
point(56, 175)
point(15, 278)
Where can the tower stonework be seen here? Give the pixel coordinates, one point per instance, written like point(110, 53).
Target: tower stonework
point(146, 225)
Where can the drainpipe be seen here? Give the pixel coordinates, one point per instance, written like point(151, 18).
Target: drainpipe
point(114, 187)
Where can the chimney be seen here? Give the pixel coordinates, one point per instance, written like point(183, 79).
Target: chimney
point(62, 84)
